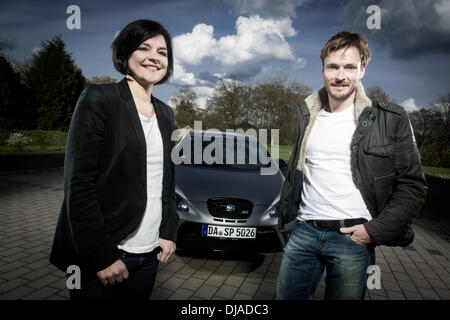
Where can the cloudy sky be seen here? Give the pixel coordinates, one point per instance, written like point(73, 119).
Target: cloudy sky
point(250, 40)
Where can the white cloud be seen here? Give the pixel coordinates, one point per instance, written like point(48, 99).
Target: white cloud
point(180, 76)
point(192, 47)
point(410, 105)
point(257, 41)
point(443, 10)
point(203, 94)
point(257, 38)
point(300, 63)
point(271, 8)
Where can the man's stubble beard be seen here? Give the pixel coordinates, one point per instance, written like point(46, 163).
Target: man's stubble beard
point(342, 97)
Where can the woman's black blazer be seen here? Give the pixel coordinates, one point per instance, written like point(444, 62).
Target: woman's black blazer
point(105, 182)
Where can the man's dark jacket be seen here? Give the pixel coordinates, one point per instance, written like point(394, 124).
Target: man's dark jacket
point(105, 179)
point(384, 161)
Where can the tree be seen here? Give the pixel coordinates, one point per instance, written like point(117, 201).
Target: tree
point(378, 94)
point(422, 123)
point(230, 105)
point(432, 126)
point(275, 101)
point(56, 83)
point(102, 79)
point(267, 105)
point(14, 104)
point(186, 109)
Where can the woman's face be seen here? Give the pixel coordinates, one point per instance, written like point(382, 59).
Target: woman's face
point(148, 63)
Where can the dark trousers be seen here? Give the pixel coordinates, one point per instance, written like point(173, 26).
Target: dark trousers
point(142, 270)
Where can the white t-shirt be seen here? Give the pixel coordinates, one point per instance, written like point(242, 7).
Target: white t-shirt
point(145, 237)
point(329, 192)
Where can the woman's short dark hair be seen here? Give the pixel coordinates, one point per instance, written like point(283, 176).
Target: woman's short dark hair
point(131, 37)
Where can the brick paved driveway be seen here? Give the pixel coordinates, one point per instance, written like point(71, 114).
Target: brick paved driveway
point(29, 205)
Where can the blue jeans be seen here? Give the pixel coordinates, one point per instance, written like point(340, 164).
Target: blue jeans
point(142, 270)
point(309, 251)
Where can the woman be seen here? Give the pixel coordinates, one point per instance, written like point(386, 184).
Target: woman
point(119, 218)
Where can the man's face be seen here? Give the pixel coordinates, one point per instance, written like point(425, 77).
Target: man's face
point(341, 72)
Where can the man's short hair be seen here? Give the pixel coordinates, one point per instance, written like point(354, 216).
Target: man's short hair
point(347, 39)
point(132, 36)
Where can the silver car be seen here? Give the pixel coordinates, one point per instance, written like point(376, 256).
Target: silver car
point(225, 199)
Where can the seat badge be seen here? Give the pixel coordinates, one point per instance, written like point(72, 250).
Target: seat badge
point(231, 207)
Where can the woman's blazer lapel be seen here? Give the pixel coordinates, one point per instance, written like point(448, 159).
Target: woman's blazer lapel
point(133, 117)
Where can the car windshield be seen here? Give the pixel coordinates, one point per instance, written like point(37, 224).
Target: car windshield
point(223, 150)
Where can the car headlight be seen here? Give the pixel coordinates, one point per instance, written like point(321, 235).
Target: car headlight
point(273, 210)
point(182, 204)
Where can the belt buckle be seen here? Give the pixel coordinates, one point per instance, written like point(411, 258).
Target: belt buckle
point(319, 227)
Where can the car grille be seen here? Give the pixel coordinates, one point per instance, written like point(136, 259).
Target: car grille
point(230, 208)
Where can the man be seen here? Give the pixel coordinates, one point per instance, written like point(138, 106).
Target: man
point(354, 179)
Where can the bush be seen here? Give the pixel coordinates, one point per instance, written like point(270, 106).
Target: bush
point(437, 196)
point(45, 138)
point(41, 139)
point(4, 135)
point(436, 159)
point(18, 140)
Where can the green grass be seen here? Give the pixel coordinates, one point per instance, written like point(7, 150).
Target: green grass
point(436, 170)
point(30, 149)
point(284, 152)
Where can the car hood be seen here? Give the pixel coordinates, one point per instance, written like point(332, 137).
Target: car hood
point(199, 183)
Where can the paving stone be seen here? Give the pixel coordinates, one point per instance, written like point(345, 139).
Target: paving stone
point(437, 283)
point(193, 284)
point(235, 281)
point(181, 294)
point(394, 295)
point(241, 296)
point(267, 288)
point(412, 295)
point(422, 284)
point(390, 286)
point(226, 292)
point(11, 284)
point(16, 273)
point(444, 294)
point(216, 280)
point(11, 266)
point(248, 288)
point(429, 294)
point(17, 293)
point(41, 294)
point(186, 272)
point(263, 296)
point(206, 291)
point(173, 283)
point(255, 277)
point(174, 266)
point(202, 274)
point(160, 294)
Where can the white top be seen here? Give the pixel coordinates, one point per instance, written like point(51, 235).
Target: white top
point(329, 192)
point(145, 237)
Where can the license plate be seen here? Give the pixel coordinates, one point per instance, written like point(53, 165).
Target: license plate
point(228, 232)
